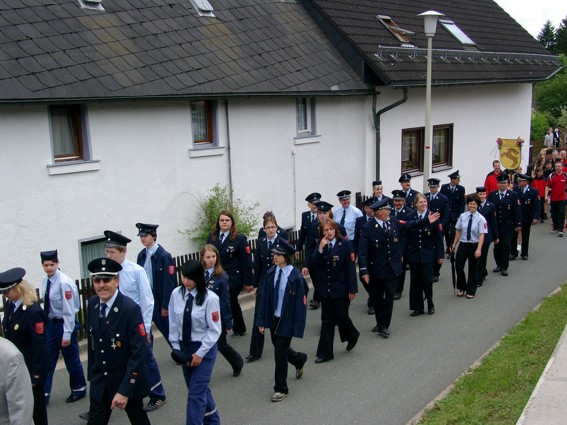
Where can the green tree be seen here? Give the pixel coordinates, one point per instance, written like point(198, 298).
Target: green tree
point(547, 37)
point(539, 126)
point(209, 205)
point(551, 95)
point(561, 37)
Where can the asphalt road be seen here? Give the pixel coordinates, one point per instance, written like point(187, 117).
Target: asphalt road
point(379, 382)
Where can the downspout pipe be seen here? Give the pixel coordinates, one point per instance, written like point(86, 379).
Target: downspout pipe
point(228, 151)
point(377, 115)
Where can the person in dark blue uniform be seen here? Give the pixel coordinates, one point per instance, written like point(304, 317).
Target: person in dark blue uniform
point(530, 206)
point(337, 287)
point(117, 349)
point(262, 262)
point(409, 193)
point(307, 219)
point(61, 304)
point(402, 212)
point(24, 326)
point(194, 329)
point(437, 202)
point(456, 194)
point(424, 250)
point(217, 281)
point(236, 261)
point(283, 310)
point(378, 191)
point(360, 222)
point(488, 211)
point(161, 271)
point(509, 220)
point(281, 232)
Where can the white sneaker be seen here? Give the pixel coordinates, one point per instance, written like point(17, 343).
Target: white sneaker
point(553, 232)
point(560, 234)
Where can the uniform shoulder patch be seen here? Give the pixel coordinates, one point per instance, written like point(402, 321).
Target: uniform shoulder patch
point(402, 221)
point(215, 316)
point(68, 295)
point(441, 226)
point(305, 300)
point(171, 269)
point(141, 329)
point(247, 249)
point(352, 257)
point(39, 328)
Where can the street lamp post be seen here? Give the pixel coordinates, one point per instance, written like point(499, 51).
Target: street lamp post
point(430, 25)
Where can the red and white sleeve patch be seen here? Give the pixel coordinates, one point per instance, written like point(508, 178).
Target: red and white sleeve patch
point(248, 249)
point(402, 221)
point(141, 329)
point(172, 270)
point(352, 257)
point(305, 300)
point(485, 226)
point(441, 226)
point(39, 328)
point(68, 295)
point(216, 316)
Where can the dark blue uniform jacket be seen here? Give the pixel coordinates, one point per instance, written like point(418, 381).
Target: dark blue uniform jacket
point(508, 211)
point(488, 211)
point(235, 259)
point(219, 285)
point(456, 200)
point(164, 276)
point(336, 270)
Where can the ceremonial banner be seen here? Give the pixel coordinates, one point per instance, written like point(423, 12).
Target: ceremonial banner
point(510, 152)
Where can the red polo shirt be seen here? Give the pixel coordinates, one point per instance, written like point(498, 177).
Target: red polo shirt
point(558, 184)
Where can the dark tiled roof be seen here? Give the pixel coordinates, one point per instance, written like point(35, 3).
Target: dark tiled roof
point(53, 49)
point(504, 52)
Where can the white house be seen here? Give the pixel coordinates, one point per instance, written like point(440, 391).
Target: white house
point(111, 114)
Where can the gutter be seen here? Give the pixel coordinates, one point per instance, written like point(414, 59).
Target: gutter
point(377, 115)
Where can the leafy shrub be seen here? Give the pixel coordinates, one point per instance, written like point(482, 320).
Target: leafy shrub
point(540, 125)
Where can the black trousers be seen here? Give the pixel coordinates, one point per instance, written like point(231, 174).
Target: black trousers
point(421, 284)
point(369, 302)
point(401, 280)
point(481, 271)
point(238, 325)
point(39, 409)
point(335, 310)
point(465, 253)
point(383, 296)
point(257, 339)
point(526, 230)
point(284, 354)
point(557, 209)
point(502, 250)
point(99, 413)
point(229, 353)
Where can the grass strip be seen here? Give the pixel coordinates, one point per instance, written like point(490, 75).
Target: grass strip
point(497, 391)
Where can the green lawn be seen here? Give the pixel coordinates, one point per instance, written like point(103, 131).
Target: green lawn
point(496, 392)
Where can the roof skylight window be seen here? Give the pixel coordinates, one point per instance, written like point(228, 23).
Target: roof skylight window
point(92, 4)
point(203, 8)
point(400, 33)
point(456, 32)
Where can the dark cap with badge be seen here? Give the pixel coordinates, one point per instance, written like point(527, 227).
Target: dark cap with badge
point(381, 205)
point(398, 194)
point(313, 197)
point(503, 177)
point(104, 267)
point(48, 255)
point(284, 248)
point(433, 182)
point(522, 177)
point(404, 178)
point(480, 189)
point(180, 357)
point(454, 175)
point(343, 194)
point(368, 202)
point(115, 239)
point(377, 183)
point(11, 278)
point(323, 206)
point(144, 229)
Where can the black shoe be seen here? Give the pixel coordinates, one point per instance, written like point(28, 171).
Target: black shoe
point(431, 310)
point(74, 397)
point(524, 257)
point(314, 304)
point(397, 295)
point(319, 360)
point(252, 358)
point(238, 334)
point(375, 329)
point(352, 344)
point(479, 284)
point(435, 279)
point(497, 270)
point(371, 311)
point(154, 404)
point(299, 370)
point(384, 332)
point(236, 372)
point(84, 416)
point(504, 272)
point(513, 257)
point(416, 313)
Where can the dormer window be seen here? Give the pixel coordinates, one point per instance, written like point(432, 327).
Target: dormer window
point(400, 33)
point(203, 8)
point(456, 32)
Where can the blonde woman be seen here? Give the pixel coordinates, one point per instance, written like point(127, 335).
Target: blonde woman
point(24, 326)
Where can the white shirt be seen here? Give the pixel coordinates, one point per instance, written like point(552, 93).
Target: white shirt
point(134, 283)
point(352, 213)
point(205, 319)
point(63, 300)
point(148, 263)
point(286, 271)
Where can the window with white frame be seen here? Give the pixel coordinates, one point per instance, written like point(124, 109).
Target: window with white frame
point(68, 133)
point(203, 123)
point(305, 116)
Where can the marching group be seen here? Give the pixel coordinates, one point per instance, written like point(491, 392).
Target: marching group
point(408, 231)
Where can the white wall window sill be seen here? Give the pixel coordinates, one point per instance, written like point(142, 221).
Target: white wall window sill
point(199, 153)
point(73, 167)
point(304, 140)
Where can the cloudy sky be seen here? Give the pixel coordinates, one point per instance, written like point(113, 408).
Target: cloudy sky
point(533, 14)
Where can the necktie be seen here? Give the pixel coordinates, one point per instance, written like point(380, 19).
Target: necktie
point(469, 228)
point(223, 236)
point(330, 246)
point(421, 216)
point(343, 218)
point(46, 300)
point(207, 276)
point(369, 219)
point(396, 213)
point(187, 319)
point(102, 315)
point(270, 246)
point(312, 218)
point(385, 227)
point(277, 290)
point(501, 195)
